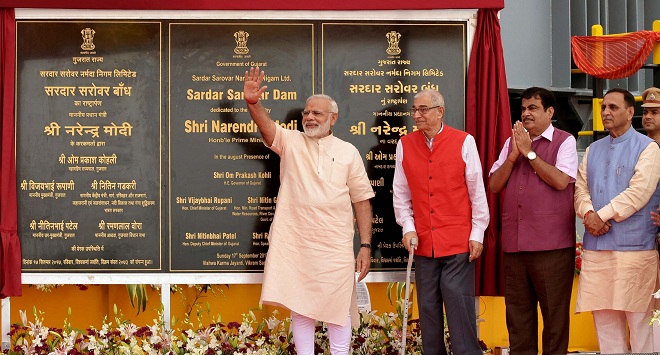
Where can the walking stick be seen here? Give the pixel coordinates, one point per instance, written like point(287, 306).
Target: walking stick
point(404, 335)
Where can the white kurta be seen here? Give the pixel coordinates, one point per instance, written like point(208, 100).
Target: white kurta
point(310, 266)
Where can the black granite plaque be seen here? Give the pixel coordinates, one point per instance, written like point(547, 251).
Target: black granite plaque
point(88, 145)
point(224, 181)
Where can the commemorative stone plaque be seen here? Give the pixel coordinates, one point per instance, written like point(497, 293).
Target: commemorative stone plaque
point(224, 181)
point(88, 145)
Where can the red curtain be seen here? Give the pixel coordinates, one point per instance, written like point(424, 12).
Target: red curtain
point(489, 121)
point(10, 248)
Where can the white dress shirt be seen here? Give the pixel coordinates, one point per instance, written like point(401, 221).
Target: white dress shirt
point(473, 178)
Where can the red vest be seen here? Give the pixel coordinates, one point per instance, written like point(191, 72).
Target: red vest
point(440, 201)
point(535, 216)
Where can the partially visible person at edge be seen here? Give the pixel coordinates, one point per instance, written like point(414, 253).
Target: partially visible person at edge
point(616, 189)
point(536, 170)
point(439, 198)
point(651, 123)
point(310, 266)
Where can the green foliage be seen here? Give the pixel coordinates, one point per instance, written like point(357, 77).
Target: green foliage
point(195, 306)
point(399, 297)
point(137, 294)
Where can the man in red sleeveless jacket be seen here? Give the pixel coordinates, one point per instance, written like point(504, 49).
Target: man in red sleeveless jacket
point(537, 169)
point(439, 198)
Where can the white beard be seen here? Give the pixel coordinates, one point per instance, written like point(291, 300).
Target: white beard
point(318, 131)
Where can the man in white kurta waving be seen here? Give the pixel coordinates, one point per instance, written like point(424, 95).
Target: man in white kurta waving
point(310, 263)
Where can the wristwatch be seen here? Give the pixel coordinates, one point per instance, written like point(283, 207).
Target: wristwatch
point(531, 155)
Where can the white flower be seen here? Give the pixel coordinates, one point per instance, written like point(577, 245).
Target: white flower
point(104, 330)
point(656, 294)
point(70, 338)
point(23, 315)
point(61, 349)
point(272, 322)
point(213, 343)
point(260, 342)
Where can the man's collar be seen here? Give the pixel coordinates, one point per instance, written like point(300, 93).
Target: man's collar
point(548, 133)
point(629, 133)
point(323, 139)
point(442, 127)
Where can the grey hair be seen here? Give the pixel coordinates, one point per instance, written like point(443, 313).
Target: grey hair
point(333, 103)
point(436, 97)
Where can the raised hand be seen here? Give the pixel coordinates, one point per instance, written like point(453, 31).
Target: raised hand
point(252, 88)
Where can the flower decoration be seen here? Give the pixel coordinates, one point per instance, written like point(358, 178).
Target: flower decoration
point(267, 335)
point(376, 334)
point(578, 258)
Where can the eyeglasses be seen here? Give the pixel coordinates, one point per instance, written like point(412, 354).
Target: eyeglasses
point(316, 113)
point(422, 110)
